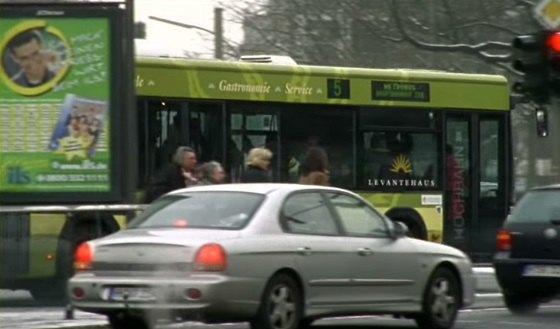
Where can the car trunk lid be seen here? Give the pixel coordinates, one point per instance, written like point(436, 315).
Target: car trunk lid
point(152, 250)
point(535, 241)
point(534, 225)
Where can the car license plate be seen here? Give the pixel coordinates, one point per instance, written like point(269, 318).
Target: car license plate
point(132, 294)
point(542, 270)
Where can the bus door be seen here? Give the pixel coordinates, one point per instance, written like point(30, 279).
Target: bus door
point(165, 125)
point(206, 131)
point(161, 129)
point(458, 178)
point(492, 180)
point(247, 127)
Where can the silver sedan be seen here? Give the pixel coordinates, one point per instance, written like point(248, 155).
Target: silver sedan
point(276, 255)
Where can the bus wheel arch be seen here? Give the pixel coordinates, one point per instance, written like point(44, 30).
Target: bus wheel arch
point(77, 229)
point(412, 219)
point(80, 228)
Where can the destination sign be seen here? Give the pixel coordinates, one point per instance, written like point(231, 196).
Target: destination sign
point(400, 91)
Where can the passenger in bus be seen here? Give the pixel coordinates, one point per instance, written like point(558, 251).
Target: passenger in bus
point(211, 173)
point(377, 157)
point(315, 167)
point(235, 157)
point(178, 174)
point(298, 154)
point(257, 166)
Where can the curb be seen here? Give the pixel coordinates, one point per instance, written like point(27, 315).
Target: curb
point(483, 270)
point(69, 325)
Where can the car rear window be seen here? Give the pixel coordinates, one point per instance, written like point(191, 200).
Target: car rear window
point(540, 206)
point(217, 210)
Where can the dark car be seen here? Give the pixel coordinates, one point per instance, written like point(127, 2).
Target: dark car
point(527, 261)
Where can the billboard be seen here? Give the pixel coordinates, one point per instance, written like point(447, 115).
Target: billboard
point(60, 73)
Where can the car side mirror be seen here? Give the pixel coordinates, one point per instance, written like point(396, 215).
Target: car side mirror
point(400, 230)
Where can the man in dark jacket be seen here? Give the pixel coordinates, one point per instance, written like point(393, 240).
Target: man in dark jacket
point(177, 175)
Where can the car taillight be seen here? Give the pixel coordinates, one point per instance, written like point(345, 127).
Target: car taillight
point(503, 240)
point(83, 258)
point(210, 257)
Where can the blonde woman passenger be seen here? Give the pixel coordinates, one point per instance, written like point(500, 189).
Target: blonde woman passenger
point(257, 166)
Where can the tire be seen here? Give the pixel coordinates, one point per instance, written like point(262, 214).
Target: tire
point(441, 301)
point(414, 230)
point(521, 304)
point(126, 321)
point(281, 305)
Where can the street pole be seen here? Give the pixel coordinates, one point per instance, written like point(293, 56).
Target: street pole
point(218, 33)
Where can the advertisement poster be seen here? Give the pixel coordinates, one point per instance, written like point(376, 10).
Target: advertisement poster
point(55, 88)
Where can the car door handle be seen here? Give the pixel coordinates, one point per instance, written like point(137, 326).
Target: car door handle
point(365, 251)
point(304, 251)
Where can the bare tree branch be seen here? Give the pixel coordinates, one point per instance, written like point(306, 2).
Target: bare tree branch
point(479, 49)
point(492, 25)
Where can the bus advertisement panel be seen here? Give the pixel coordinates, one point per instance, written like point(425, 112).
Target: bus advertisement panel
point(57, 94)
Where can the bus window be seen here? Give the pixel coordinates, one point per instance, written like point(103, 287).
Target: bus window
point(205, 131)
point(492, 204)
point(160, 131)
point(249, 129)
point(398, 117)
point(326, 127)
point(400, 161)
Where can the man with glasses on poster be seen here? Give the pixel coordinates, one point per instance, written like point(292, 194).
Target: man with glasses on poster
point(26, 50)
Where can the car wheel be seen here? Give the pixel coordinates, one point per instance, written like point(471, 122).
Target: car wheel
point(441, 300)
point(520, 304)
point(281, 305)
point(127, 321)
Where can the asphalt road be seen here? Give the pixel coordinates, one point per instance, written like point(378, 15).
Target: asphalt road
point(548, 317)
point(19, 311)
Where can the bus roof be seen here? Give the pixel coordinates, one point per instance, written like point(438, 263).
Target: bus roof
point(231, 80)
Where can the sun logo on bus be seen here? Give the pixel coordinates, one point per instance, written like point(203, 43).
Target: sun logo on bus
point(401, 164)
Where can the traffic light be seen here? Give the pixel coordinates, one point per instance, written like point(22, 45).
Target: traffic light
point(541, 118)
point(530, 58)
point(553, 45)
point(537, 56)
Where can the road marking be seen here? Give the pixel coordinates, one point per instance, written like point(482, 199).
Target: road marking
point(483, 270)
point(488, 295)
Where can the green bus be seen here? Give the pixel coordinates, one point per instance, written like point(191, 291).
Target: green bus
point(429, 149)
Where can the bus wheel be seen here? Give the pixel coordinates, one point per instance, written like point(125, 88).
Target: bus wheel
point(415, 230)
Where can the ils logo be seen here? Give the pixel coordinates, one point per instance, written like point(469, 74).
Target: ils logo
point(16, 175)
point(401, 164)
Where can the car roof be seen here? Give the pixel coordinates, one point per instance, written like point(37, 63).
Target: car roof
point(260, 188)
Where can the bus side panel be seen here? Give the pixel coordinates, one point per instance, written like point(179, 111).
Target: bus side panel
point(29, 246)
point(45, 230)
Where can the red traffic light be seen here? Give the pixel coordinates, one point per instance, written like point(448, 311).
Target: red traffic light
point(553, 42)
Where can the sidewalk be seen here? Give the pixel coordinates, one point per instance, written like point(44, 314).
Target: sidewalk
point(486, 280)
